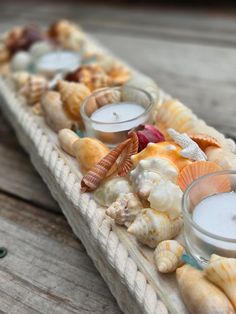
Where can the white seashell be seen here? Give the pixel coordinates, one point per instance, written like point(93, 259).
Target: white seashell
point(190, 148)
point(167, 256)
point(151, 227)
point(166, 197)
point(108, 192)
point(20, 61)
point(125, 209)
point(38, 49)
point(34, 89)
point(225, 159)
point(149, 172)
point(20, 79)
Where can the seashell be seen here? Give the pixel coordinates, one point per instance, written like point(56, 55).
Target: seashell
point(53, 112)
point(37, 109)
point(149, 172)
point(4, 54)
point(40, 48)
point(151, 227)
point(190, 148)
point(93, 76)
point(204, 140)
point(166, 197)
point(67, 138)
point(221, 271)
point(148, 134)
point(108, 192)
point(118, 74)
point(194, 171)
point(125, 209)
point(165, 150)
point(225, 159)
point(94, 177)
point(20, 79)
point(72, 95)
point(35, 87)
point(167, 256)
point(20, 61)
point(200, 295)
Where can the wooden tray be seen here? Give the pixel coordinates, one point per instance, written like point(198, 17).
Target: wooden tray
point(126, 266)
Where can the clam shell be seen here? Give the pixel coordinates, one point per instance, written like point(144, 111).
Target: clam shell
point(221, 271)
point(198, 169)
point(204, 140)
point(167, 256)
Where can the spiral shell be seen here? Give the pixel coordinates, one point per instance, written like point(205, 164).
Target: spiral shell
point(35, 87)
point(20, 79)
point(200, 295)
point(221, 271)
point(151, 227)
point(125, 209)
point(72, 95)
point(167, 256)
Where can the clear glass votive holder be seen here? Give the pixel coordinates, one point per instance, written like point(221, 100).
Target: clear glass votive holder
point(110, 113)
point(211, 236)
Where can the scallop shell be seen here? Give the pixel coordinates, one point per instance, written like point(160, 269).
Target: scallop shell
point(88, 152)
point(149, 173)
point(72, 95)
point(221, 271)
point(94, 177)
point(151, 227)
point(167, 256)
point(20, 79)
point(225, 159)
point(165, 150)
point(166, 197)
point(20, 61)
point(108, 192)
point(66, 139)
point(125, 209)
point(198, 169)
point(200, 295)
point(204, 140)
point(35, 87)
point(54, 114)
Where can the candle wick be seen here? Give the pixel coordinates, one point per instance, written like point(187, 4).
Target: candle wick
point(116, 115)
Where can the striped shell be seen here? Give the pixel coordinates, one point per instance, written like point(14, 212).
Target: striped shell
point(94, 177)
point(151, 227)
point(35, 87)
point(72, 95)
point(204, 140)
point(167, 256)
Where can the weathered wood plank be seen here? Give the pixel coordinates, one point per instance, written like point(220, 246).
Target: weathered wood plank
point(46, 270)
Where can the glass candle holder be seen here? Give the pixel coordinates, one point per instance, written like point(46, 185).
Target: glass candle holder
point(110, 113)
point(209, 211)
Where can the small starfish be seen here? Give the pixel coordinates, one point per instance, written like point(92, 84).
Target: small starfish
point(190, 148)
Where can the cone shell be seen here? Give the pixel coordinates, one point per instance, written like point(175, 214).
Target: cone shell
point(204, 140)
point(94, 177)
point(72, 95)
point(200, 295)
point(54, 114)
point(34, 89)
point(221, 271)
point(167, 256)
point(198, 169)
point(166, 150)
point(125, 209)
point(151, 227)
point(225, 159)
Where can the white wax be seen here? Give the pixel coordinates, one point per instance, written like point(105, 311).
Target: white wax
point(217, 215)
point(58, 61)
point(116, 113)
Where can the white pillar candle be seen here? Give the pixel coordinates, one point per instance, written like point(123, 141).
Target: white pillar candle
point(217, 215)
point(118, 117)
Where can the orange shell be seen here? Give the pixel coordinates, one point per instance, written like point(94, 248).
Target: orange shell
point(204, 140)
point(200, 168)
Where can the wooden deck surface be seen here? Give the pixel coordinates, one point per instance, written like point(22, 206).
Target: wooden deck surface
point(190, 55)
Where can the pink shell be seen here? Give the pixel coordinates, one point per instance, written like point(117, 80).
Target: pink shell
point(148, 134)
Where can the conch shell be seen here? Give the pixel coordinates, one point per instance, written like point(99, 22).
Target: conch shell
point(200, 295)
point(225, 159)
point(151, 227)
point(165, 150)
point(149, 172)
point(108, 192)
point(221, 271)
point(166, 197)
point(72, 95)
point(125, 209)
point(53, 111)
point(167, 256)
point(35, 87)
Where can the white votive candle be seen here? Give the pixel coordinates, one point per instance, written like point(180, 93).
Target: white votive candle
point(217, 215)
point(118, 117)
